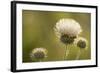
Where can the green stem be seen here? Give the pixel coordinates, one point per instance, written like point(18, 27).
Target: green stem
point(40, 60)
point(66, 52)
point(78, 54)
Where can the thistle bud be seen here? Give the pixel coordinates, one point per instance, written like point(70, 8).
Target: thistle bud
point(81, 43)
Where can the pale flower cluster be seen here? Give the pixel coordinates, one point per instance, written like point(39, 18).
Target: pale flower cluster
point(69, 27)
point(39, 53)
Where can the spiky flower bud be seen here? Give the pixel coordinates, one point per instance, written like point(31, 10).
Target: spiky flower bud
point(81, 43)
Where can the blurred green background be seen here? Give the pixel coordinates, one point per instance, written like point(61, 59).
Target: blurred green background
point(38, 31)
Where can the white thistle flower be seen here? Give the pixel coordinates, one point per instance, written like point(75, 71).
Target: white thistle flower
point(81, 43)
point(38, 53)
point(69, 27)
point(67, 30)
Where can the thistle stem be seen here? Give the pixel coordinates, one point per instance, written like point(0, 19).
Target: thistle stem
point(78, 54)
point(40, 60)
point(66, 52)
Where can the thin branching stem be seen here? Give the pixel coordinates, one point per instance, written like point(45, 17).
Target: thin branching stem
point(78, 54)
point(66, 52)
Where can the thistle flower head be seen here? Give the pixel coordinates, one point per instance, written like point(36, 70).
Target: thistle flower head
point(81, 43)
point(67, 30)
point(38, 53)
point(69, 27)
